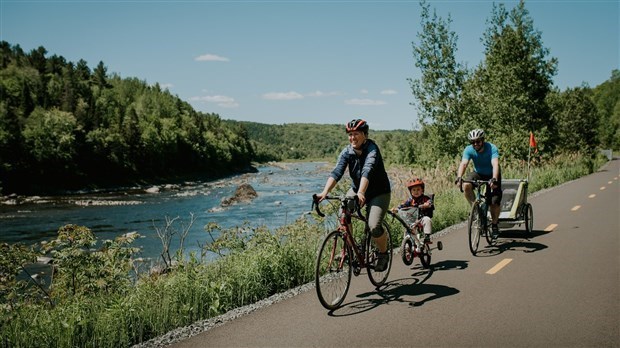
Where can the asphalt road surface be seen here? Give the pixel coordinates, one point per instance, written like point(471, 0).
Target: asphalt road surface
point(558, 288)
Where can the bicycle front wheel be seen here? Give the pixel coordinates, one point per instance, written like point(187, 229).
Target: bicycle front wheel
point(378, 278)
point(333, 270)
point(474, 224)
point(425, 255)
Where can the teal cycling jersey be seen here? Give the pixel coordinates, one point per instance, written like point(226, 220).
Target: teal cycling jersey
point(482, 160)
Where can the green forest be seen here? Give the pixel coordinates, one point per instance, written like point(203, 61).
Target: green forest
point(65, 126)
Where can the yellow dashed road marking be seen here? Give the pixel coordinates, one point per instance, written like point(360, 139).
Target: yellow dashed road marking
point(575, 208)
point(592, 196)
point(499, 266)
point(602, 188)
point(551, 227)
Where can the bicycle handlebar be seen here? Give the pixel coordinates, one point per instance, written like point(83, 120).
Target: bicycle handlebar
point(315, 204)
point(476, 183)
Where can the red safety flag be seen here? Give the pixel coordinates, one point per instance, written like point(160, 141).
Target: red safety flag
point(533, 142)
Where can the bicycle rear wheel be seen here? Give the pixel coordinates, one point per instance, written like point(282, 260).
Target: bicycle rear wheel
point(474, 225)
point(372, 251)
point(485, 225)
point(333, 270)
point(529, 218)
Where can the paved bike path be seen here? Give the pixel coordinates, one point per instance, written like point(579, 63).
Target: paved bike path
point(558, 288)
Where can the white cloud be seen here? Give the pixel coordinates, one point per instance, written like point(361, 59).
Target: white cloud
point(166, 85)
point(364, 91)
point(364, 102)
point(388, 91)
point(322, 94)
point(220, 100)
point(282, 96)
point(211, 58)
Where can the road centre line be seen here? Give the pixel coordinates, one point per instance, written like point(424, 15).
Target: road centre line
point(609, 182)
point(575, 208)
point(592, 196)
point(499, 266)
point(551, 227)
point(602, 188)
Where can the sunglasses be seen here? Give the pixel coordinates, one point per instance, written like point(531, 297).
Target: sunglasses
point(477, 141)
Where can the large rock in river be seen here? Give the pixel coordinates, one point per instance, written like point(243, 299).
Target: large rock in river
point(243, 193)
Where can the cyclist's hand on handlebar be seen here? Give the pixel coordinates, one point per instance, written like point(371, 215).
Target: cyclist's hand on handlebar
point(361, 198)
point(458, 181)
point(321, 196)
point(493, 183)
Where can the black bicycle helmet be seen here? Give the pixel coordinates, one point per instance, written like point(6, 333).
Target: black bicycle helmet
point(357, 125)
point(475, 134)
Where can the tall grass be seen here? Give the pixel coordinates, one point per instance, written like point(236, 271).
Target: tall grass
point(256, 264)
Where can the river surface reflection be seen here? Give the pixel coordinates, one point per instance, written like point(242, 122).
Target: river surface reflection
point(284, 194)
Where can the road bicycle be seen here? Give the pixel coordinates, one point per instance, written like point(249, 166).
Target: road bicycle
point(341, 255)
point(479, 222)
point(415, 243)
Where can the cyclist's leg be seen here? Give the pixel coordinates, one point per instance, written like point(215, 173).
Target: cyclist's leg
point(377, 208)
point(495, 200)
point(468, 188)
point(427, 225)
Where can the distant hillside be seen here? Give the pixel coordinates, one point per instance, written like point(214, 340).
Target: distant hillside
point(306, 141)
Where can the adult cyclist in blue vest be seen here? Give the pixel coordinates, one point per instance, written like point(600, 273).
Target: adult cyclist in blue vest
point(369, 182)
point(485, 157)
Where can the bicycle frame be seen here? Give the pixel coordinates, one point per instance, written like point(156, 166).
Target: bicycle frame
point(345, 226)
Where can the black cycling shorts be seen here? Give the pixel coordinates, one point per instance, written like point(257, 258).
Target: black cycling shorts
point(495, 196)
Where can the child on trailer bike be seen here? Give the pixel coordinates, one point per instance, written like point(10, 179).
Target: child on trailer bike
point(423, 202)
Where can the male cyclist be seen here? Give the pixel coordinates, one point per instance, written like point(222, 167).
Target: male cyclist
point(486, 167)
point(369, 182)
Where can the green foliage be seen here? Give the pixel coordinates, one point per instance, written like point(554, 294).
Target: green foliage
point(80, 270)
point(294, 141)
point(506, 94)
point(576, 118)
point(438, 91)
point(65, 127)
point(606, 97)
point(50, 136)
point(13, 257)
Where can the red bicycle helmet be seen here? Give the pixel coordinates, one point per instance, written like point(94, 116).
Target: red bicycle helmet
point(357, 125)
point(415, 182)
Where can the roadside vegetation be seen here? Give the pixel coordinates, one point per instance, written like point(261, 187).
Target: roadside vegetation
point(101, 294)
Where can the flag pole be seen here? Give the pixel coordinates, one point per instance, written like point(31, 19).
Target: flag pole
point(529, 152)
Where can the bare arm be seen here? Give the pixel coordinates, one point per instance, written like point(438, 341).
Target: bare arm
point(495, 164)
point(461, 170)
point(329, 185)
point(361, 192)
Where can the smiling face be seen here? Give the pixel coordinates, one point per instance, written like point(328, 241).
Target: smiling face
point(478, 144)
point(416, 191)
point(357, 139)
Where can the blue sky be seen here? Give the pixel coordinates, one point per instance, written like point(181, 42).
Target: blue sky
point(297, 61)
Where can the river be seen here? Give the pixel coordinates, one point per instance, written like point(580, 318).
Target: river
point(284, 194)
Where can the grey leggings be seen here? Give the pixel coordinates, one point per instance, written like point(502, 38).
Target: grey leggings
point(376, 207)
